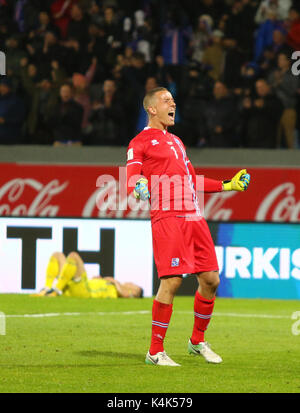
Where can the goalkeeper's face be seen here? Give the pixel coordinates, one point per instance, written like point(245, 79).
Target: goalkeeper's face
point(163, 108)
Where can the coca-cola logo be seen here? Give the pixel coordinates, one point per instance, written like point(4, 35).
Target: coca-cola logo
point(280, 205)
point(15, 189)
point(215, 209)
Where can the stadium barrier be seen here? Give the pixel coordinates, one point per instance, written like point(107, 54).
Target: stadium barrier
point(256, 260)
point(112, 155)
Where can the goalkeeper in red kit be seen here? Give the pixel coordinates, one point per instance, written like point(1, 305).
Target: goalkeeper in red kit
point(158, 169)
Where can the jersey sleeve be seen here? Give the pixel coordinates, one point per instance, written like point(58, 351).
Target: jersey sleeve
point(134, 165)
point(208, 185)
point(212, 185)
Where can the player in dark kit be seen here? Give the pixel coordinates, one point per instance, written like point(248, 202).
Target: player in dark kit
point(158, 169)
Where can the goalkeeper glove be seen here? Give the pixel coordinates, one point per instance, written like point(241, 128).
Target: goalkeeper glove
point(239, 182)
point(141, 189)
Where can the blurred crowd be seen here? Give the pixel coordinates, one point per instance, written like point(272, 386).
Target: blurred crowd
point(77, 70)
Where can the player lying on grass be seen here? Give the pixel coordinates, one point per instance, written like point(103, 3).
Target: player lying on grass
point(70, 279)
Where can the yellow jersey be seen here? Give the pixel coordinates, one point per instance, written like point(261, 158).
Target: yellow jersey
point(94, 287)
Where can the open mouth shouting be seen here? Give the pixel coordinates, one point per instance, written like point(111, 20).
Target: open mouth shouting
point(171, 115)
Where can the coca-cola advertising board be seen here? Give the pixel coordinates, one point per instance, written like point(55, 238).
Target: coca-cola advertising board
point(100, 191)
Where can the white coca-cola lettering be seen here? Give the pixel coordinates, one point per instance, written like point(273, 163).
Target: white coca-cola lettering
point(15, 189)
point(213, 207)
point(110, 204)
point(286, 209)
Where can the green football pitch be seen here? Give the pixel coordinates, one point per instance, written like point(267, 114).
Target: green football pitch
point(70, 345)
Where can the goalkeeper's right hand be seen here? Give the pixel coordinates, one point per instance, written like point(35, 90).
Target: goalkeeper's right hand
point(141, 189)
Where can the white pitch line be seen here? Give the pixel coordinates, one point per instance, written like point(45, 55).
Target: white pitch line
point(251, 315)
point(103, 313)
point(247, 315)
point(76, 314)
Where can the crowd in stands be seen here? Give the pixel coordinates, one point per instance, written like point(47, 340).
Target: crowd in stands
point(77, 70)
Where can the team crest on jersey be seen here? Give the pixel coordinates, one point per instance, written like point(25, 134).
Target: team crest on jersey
point(175, 262)
point(154, 142)
point(170, 143)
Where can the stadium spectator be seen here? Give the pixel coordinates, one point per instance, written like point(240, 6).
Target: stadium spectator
point(213, 56)
point(12, 114)
point(239, 25)
point(260, 116)
point(41, 98)
point(66, 119)
point(268, 61)
point(97, 46)
point(142, 121)
point(196, 90)
point(107, 117)
point(264, 35)
point(293, 37)
point(201, 37)
point(160, 70)
point(130, 95)
point(234, 59)
point(249, 75)
point(136, 71)
point(219, 121)
point(280, 7)
point(113, 31)
point(175, 36)
point(36, 36)
point(139, 34)
point(51, 51)
point(279, 40)
point(285, 85)
point(14, 54)
point(78, 26)
point(95, 13)
point(44, 25)
point(67, 276)
point(213, 8)
point(61, 15)
point(81, 85)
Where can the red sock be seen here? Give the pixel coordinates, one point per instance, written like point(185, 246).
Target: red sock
point(161, 314)
point(203, 309)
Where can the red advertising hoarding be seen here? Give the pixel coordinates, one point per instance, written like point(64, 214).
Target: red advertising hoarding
point(78, 191)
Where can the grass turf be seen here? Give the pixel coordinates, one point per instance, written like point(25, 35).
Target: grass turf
point(87, 352)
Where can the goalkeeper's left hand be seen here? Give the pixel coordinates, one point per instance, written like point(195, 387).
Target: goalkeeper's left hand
point(239, 182)
point(141, 189)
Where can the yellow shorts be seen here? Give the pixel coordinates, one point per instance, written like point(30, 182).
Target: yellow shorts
point(95, 287)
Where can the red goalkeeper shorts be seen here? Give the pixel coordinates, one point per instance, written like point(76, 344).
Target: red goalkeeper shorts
point(181, 246)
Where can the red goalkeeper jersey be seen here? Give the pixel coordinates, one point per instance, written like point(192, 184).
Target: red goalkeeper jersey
point(161, 157)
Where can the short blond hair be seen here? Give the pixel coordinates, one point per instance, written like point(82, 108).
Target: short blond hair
point(149, 96)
